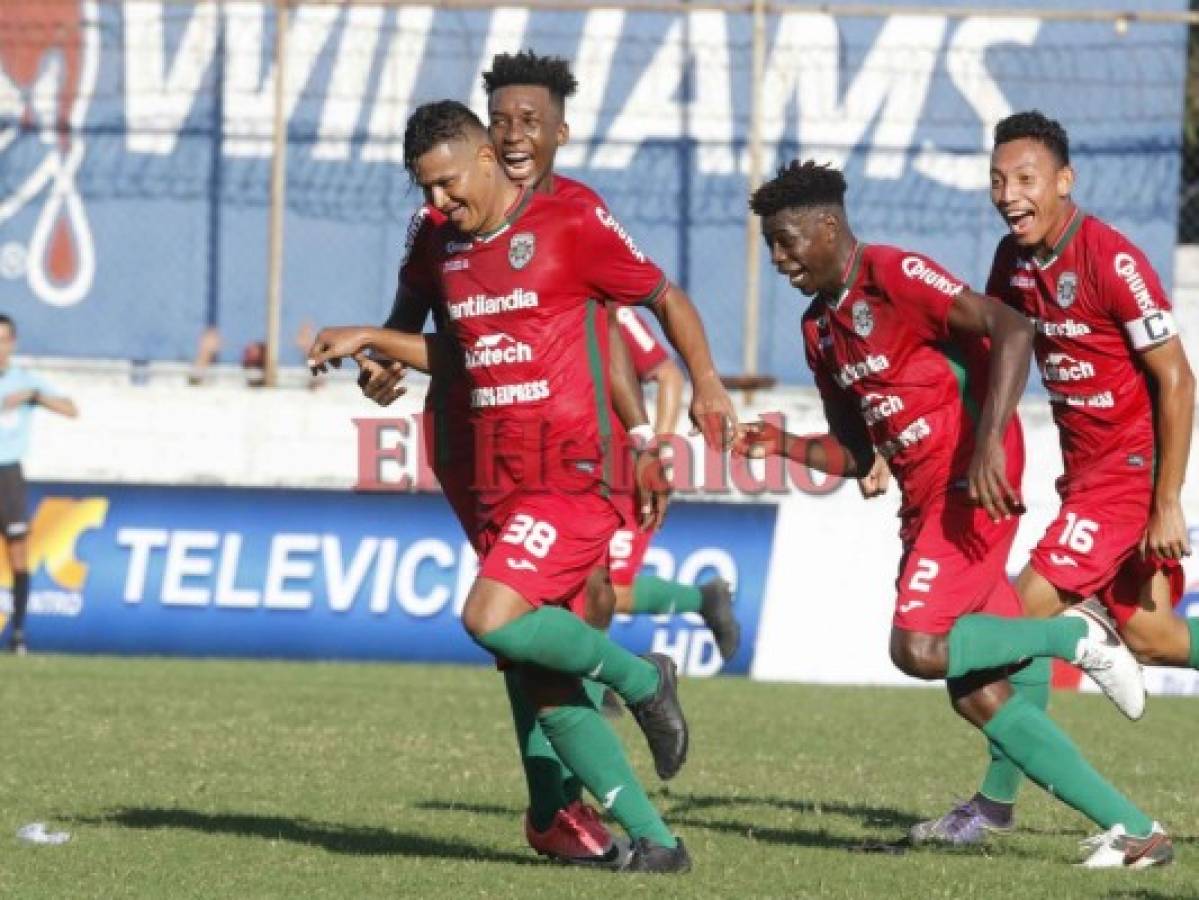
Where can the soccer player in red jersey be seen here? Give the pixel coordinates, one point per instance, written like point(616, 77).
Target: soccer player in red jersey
point(909, 360)
point(515, 273)
point(648, 594)
point(1122, 395)
point(526, 97)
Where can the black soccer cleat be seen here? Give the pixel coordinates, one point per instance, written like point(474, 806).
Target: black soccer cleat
point(717, 613)
point(650, 858)
point(662, 721)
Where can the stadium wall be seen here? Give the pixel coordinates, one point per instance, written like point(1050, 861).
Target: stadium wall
point(135, 180)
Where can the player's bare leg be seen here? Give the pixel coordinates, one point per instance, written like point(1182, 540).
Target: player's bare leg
point(503, 622)
point(1156, 634)
point(18, 561)
point(1027, 736)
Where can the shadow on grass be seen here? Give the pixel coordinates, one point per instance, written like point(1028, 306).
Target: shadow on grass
point(335, 837)
point(685, 804)
point(686, 811)
point(873, 816)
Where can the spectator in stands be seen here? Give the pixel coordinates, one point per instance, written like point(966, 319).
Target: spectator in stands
point(21, 391)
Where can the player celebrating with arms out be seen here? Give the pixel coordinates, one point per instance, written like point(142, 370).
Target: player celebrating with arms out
point(527, 96)
point(899, 350)
point(1122, 395)
point(516, 270)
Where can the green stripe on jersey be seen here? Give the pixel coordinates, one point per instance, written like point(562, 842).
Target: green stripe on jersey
point(595, 362)
point(957, 365)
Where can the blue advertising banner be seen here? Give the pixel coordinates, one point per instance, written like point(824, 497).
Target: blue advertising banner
point(135, 146)
point(322, 575)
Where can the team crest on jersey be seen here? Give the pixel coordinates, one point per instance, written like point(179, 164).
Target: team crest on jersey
point(1067, 290)
point(863, 318)
point(520, 249)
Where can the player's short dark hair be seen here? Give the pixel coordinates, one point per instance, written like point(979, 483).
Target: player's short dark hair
point(438, 123)
point(7, 320)
point(798, 185)
point(526, 67)
point(1036, 126)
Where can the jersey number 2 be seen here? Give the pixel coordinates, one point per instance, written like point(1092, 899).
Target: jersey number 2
point(926, 571)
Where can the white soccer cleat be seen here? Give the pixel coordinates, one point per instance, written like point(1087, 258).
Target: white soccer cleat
point(1115, 849)
point(1103, 656)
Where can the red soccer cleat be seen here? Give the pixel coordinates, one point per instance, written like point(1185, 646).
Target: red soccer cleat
point(576, 837)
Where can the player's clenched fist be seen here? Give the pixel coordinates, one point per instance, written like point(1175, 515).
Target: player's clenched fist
point(380, 379)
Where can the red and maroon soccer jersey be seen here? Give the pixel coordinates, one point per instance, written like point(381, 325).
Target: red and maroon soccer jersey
point(1095, 303)
point(882, 344)
point(449, 441)
point(521, 303)
point(418, 302)
point(644, 350)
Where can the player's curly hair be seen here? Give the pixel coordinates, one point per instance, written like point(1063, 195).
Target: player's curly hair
point(1037, 126)
point(436, 123)
point(797, 185)
point(526, 67)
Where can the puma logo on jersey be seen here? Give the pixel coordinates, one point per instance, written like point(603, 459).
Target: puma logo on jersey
point(910, 605)
point(1061, 559)
point(522, 565)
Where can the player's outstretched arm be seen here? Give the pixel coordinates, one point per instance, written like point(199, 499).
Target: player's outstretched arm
point(711, 409)
point(670, 381)
point(1011, 336)
point(64, 406)
point(428, 353)
point(381, 379)
point(1173, 414)
point(845, 451)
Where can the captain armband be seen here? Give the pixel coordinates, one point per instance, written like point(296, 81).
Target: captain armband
point(1152, 329)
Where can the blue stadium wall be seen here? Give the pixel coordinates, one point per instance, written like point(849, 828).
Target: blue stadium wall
point(150, 220)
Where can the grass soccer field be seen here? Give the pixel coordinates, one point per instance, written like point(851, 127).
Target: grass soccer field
point(241, 779)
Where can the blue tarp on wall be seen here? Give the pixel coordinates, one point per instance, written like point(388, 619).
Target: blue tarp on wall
point(125, 233)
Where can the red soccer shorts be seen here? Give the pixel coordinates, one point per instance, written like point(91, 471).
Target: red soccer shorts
point(544, 544)
point(955, 564)
point(1092, 548)
point(626, 553)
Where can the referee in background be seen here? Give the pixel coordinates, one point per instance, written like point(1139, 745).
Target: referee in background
point(20, 392)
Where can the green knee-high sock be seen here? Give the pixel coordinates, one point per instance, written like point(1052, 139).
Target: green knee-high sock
point(1046, 755)
point(1002, 781)
point(562, 642)
point(544, 772)
point(572, 788)
point(1193, 626)
point(988, 642)
point(654, 595)
point(589, 748)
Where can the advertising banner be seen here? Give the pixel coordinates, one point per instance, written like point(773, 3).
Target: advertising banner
point(323, 575)
point(136, 138)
